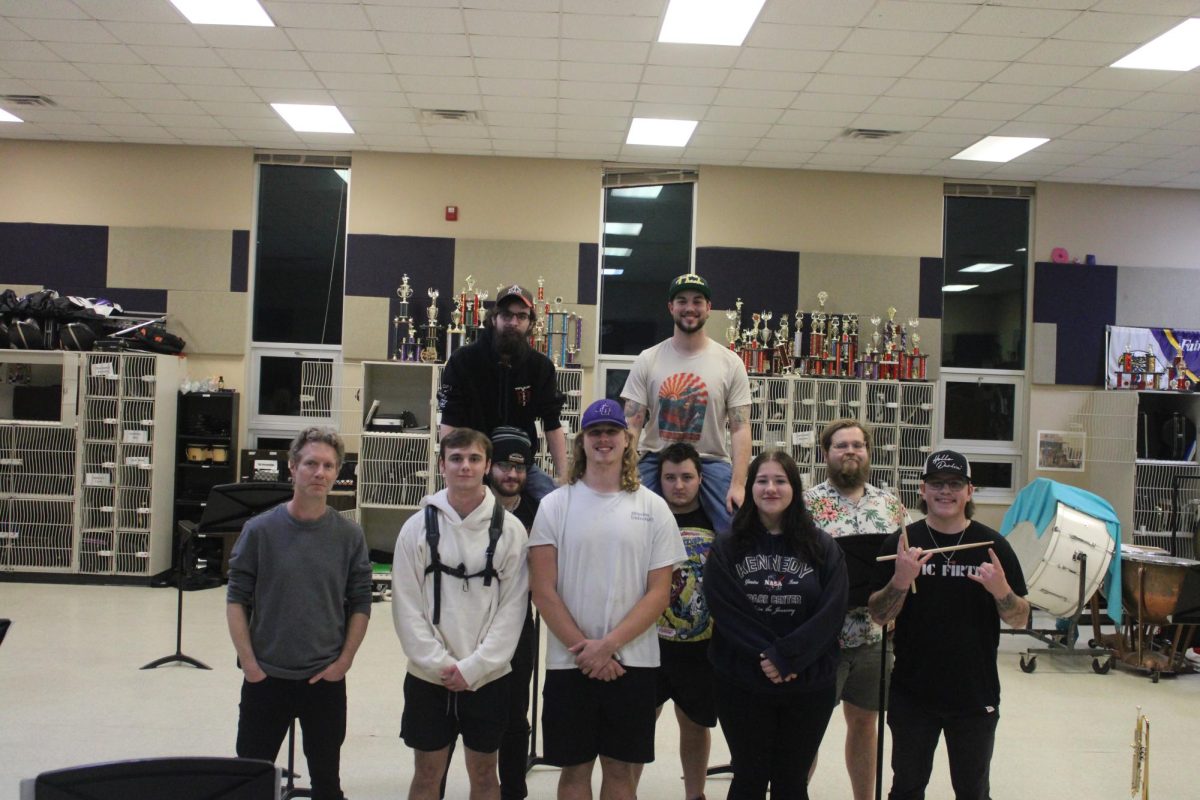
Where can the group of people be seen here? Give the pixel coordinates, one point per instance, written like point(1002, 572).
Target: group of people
point(665, 566)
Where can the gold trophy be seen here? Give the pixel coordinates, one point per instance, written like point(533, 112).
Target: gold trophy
point(429, 353)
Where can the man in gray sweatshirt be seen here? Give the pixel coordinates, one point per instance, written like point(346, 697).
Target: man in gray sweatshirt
point(299, 599)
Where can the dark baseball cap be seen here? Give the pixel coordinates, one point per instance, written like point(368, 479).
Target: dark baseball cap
point(512, 445)
point(689, 281)
point(947, 462)
point(603, 412)
point(516, 290)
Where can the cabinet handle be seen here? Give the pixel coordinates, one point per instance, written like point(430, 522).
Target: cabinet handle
point(12, 462)
point(109, 465)
point(106, 509)
point(9, 534)
point(143, 510)
point(109, 420)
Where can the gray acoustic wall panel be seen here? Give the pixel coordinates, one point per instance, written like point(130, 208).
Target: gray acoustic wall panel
point(1045, 351)
point(169, 258)
point(1157, 297)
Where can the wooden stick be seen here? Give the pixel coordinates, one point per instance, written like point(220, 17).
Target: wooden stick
point(893, 556)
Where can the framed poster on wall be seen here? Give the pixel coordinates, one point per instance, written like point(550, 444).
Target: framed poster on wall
point(1061, 451)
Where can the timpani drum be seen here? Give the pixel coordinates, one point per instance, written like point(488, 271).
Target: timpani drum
point(1051, 563)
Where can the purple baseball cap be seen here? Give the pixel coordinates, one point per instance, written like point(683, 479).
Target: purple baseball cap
point(603, 412)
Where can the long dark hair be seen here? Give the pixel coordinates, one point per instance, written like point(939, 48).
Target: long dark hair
point(798, 527)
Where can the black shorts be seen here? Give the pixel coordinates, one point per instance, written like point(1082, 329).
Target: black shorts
point(584, 718)
point(434, 716)
point(686, 678)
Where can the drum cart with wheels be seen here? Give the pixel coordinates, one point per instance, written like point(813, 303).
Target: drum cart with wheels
point(1060, 644)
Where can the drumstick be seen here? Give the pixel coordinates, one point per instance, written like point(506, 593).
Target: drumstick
point(893, 556)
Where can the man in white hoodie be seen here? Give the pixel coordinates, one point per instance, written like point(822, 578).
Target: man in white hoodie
point(458, 601)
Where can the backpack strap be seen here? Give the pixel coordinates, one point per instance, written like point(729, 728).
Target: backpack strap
point(432, 535)
point(495, 530)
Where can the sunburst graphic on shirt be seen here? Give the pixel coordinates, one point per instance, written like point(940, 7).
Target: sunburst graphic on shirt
point(682, 404)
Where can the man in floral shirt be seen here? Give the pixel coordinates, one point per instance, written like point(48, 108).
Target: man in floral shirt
point(846, 505)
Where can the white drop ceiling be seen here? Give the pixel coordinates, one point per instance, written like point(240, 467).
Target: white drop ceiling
point(564, 78)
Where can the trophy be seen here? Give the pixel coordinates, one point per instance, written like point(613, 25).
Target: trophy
point(429, 353)
point(404, 291)
point(456, 317)
point(734, 316)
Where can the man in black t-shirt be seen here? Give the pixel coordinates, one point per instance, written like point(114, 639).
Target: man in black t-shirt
point(947, 633)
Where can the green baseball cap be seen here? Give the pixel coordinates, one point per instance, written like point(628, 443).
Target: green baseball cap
point(689, 281)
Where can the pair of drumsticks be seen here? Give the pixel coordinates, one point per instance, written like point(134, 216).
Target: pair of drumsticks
point(949, 549)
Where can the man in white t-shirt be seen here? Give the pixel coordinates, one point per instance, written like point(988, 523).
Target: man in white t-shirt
point(687, 389)
point(601, 554)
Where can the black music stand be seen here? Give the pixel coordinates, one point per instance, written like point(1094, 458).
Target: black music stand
point(861, 551)
point(228, 508)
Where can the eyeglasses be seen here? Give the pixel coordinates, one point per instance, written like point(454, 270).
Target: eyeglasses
point(954, 485)
point(508, 466)
point(508, 316)
point(848, 446)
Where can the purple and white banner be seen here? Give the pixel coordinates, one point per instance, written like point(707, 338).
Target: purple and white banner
point(1162, 343)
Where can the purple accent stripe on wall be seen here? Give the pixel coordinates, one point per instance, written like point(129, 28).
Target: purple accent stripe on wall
point(589, 264)
point(1081, 299)
point(239, 262)
point(930, 292)
point(53, 255)
point(764, 279)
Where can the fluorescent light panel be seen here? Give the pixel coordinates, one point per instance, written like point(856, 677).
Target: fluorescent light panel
point(660, 132)
point(623, 228)
point(224, 12)
point(7, 117)
point(1000, 148)
point(639, 192)
point(619, 252)
point(1177, 50)
point(612, 272)
point(312, 119)
point(959, 287)
point(985, 267)
point(724, 22)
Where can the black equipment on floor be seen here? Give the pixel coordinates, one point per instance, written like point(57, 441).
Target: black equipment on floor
point(177, 778)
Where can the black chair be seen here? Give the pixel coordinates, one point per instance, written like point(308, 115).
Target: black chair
point(175, 778)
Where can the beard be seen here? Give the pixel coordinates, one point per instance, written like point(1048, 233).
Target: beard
point(696, 324)
point(510, 344)
point(850, 475)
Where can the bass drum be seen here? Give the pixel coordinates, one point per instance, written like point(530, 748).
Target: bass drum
point(1050, 562)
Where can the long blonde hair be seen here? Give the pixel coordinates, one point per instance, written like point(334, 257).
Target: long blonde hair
point(629, 463)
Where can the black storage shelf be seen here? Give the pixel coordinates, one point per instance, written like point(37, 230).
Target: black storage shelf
point(205, 418)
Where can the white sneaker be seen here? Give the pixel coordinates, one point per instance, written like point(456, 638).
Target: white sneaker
point(1193, 655)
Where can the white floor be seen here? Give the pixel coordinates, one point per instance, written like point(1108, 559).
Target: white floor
point(71, 693)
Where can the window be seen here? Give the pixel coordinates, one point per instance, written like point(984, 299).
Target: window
point(300, 254)
point(646, 244)
point(984, 293)
point(986, 264)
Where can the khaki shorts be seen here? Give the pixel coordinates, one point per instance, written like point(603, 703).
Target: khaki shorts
point(858, 675)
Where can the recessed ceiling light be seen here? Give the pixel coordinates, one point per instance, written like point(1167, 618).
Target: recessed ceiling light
point(619, 252)
point(612, 272)
point(661, 132)
point(312, 119)
point(984, 267)
point(224, 12)
point(709, 21)
point(623, 228)
point(1178, 49)
point(1000, 148)
point(641, 192)
point(959, 287)
point(7, 117)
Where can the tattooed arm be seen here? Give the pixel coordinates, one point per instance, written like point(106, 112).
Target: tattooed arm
point(635, 417)
point(739, 437)
point(1012, 609)
point(886, 603)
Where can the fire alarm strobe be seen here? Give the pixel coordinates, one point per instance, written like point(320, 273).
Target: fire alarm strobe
point(451, 213)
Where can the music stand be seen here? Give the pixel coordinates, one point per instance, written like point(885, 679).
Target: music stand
point(860, 551)
point(228, 508)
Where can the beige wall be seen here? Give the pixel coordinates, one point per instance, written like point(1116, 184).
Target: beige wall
point(1124, 225)
point(827, 212)
point(127, 185)
point(497, 198)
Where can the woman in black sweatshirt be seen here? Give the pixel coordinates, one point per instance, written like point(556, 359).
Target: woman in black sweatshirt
point(776, 587)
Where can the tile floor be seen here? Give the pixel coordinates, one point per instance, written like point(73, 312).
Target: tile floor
point(71, 693)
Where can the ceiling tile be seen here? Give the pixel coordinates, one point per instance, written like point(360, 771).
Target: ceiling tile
point(605, 27)
point(349, 62)
point(532, 105)
point(682, 76)
point(754, 97)
point(450, 67)
point(935, 90)
point(1138, 119)
point(44, 70)
point(372, 42)
point(322, 16)
point(848, 84)
point(901, 43)
point(513, 87)
point(602, 107)
point(1076, 115)
point(370, 82)
point(692, 55)
point(513, 23)
point(832, 102)
point(1092, 98)
point(605, 52)
point(1132, 29)
point(736, 114)
point(649, 93)
point(36, 51)
point(594, 90)
point(983, 48)
point(516, 68)
point(811, 118)
point(239, 37)
point(998, 20)
point(860, 64)
point(762, 58)
point(416, 20)
point(797, 37)
point(667, 110)
point(178, 56)
point(430, 84)
point(65, 30)
point(512, 47)
point(1011, 93)
point(765, 79)
point(205, 92)
point(583, 71)
point(955, 69)
point(1058, 51)
point(91, 53)
point(154, 33)
point(909, 106)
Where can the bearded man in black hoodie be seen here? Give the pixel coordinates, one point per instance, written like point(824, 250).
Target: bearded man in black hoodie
point(500, 380)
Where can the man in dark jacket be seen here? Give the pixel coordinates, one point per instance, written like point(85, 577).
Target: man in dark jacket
point(500, 380)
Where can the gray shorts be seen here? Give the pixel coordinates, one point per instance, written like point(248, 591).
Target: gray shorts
point(858, 675)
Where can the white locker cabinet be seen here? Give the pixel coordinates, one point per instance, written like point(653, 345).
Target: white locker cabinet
point(570, 385)
point(128, 463)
